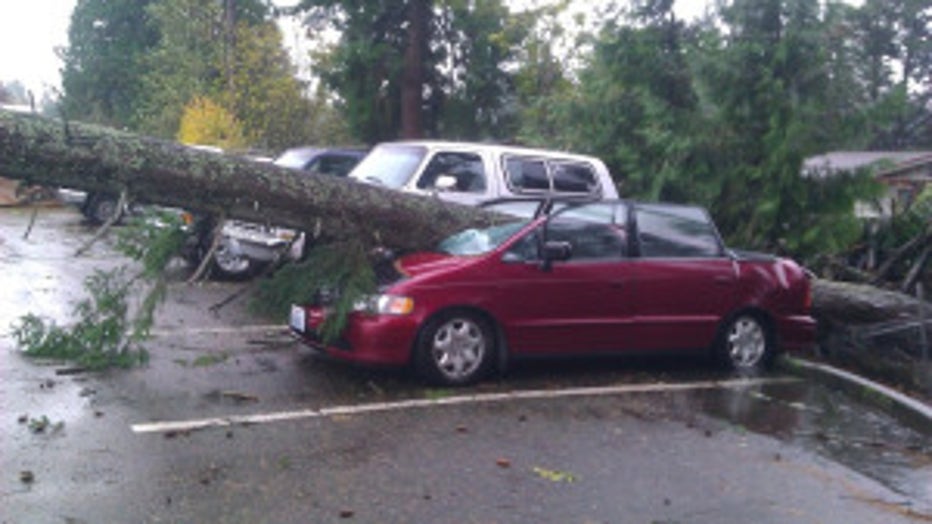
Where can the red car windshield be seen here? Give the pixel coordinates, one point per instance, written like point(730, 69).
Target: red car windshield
point(479, 241)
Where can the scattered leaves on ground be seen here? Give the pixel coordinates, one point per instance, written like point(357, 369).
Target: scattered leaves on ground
point(554, 475)
point(41, 425)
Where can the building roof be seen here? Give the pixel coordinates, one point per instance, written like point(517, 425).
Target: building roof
point(839, 161)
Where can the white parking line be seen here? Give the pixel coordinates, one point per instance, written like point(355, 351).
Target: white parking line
point(219, 330)
point(379, 407)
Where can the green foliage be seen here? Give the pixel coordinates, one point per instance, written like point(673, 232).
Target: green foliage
point(635, 106)
point(97, 339)
point(465, 91)
point(269, 101)
point(44, 425)
point(825, 221)
point(343, 269)
point(364, 68)
point(103, 333)
point(477, 38)
point(239, 63)
point(104, 61)
point(722, 113)
point(187, 62)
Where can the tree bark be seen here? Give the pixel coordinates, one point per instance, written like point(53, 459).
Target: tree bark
point(46, 151)
point(412, 86)
point(849, 303)
point(82, 156)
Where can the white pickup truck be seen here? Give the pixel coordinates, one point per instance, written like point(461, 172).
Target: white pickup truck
point(473, 173)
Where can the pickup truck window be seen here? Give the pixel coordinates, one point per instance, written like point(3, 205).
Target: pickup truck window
point(676, 232)
point(465, 170)
point(559, 176)
point(527, 174)
point(574, 177)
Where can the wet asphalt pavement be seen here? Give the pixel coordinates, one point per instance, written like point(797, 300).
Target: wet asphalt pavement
point(779, 450)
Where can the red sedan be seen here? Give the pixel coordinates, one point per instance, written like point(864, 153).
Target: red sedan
point(593, 278)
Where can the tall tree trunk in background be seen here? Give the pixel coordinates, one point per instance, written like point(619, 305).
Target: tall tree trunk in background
point(229, 37)
point(412, 124)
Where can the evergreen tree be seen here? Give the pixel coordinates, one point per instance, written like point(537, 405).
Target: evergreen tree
point(104, 62)
point(411, 68)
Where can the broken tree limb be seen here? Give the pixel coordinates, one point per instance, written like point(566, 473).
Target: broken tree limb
point(915, 272)
point(83, 156)
point(32, 222)
point(215, 236)
point(105, 227)
point(921, 239)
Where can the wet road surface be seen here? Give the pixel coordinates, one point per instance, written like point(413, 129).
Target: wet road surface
point(762, 452)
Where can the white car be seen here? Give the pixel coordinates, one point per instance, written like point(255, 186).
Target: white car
point(245, 246)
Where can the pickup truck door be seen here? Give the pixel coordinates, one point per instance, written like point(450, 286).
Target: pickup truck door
point(455, 176)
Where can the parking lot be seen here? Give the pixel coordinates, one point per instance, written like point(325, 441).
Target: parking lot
point(233, 421)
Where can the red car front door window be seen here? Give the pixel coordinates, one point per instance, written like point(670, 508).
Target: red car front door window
point(581, 305)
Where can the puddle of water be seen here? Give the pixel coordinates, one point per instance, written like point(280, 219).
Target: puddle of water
point(40, 274)
point(833, 425)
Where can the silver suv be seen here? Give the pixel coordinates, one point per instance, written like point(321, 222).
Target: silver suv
point(470, 173)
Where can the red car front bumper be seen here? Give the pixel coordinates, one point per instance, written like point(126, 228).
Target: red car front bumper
point(366, 339)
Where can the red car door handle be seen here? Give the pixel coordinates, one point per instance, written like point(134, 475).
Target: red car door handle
point(722, 280)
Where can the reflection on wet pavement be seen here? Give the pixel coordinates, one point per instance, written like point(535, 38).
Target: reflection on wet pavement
point(833, 425)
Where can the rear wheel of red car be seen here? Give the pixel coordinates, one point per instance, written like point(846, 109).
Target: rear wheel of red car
point(455, 349)
point(746, 344)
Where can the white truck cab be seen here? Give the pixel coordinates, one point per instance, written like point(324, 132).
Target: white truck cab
point(472, 173)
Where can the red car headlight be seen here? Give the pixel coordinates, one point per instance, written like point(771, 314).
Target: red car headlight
point(385, 305)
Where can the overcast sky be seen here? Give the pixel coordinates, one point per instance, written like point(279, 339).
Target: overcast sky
point(32, 30)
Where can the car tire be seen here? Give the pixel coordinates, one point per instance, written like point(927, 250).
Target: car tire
point(99, 209)
point(746, 344)
point(230, 265)
point(455, 349)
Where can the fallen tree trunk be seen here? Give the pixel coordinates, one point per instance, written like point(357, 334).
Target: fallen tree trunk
point(70, 154)
point(859, 303)
point(82, 156)
point(874, 331)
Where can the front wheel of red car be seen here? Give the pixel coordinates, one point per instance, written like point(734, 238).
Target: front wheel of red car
point(746, 345)
point(455, 349)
